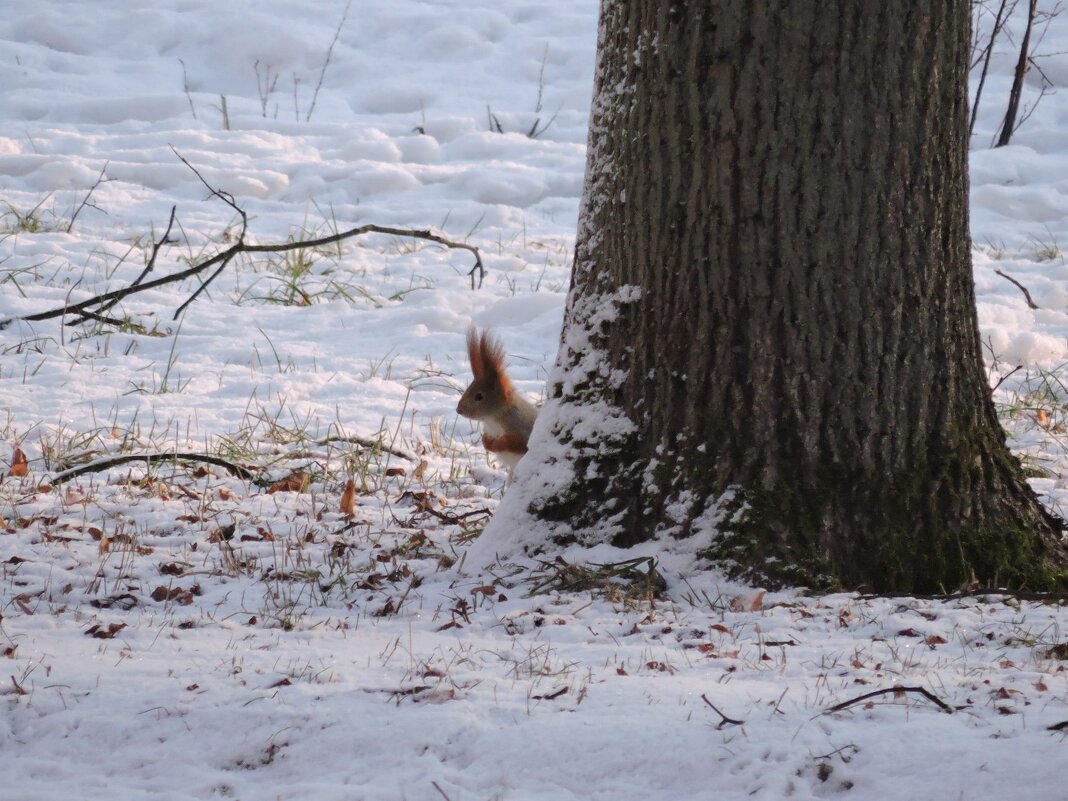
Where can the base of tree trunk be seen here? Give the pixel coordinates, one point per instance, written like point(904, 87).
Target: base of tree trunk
point(783, 536)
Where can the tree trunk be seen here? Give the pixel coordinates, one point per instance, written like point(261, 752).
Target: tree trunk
point(771, 338)
point(1008, 126)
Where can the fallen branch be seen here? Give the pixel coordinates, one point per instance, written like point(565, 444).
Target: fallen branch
point(104, 301)
point(885, 691)
point(725, 720)
point(1027, 295)
point(107, 462)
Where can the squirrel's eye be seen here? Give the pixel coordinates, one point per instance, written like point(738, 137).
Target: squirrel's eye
point(478, 396)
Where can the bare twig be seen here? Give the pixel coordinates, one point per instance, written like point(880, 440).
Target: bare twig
point(265, 86)
point(85, 201)
point(98, 465)
point(1002, 379)
point(725, 720)
point(887, 690)
point(1027, 295)
point(185, 86)
point(326, 61)
point(220, 260)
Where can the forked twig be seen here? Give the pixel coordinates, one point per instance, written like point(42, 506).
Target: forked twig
point(85, 200)
point(725, 720)
point(151, 263)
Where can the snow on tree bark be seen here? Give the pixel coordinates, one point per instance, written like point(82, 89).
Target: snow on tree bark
point(771, 340)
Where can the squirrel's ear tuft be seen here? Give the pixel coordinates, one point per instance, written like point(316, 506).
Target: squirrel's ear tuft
point(474, 352)
point(492, 354)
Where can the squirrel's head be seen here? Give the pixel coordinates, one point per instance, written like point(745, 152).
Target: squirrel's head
point(490, 392)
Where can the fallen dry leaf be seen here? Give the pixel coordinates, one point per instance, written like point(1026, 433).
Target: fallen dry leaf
point(104, 632)
point(19, 464)
point(296, 481)
point(348, 499)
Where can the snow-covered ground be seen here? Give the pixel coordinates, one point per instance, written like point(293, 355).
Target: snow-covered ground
point(172, 631)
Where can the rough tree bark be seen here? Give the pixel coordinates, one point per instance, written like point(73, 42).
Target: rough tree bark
point(771, 338)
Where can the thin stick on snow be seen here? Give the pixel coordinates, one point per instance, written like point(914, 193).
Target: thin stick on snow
point(885, 691)
point(1027, 295)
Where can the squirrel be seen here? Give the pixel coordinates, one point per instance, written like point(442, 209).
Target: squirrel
point(506, 416)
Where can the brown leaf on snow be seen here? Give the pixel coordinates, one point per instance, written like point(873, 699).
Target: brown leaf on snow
point(182, 596)
point(348, 499)
point(395, 471)
point(297, 481)
point(104, 632)
point(19, 464)
point(934, 640)
point(1041, 686)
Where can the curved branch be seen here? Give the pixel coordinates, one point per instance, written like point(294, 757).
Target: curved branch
point(106, 300)
point(887, 690)
point(98, 465)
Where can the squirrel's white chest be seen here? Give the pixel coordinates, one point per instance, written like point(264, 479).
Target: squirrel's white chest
point(492, 427)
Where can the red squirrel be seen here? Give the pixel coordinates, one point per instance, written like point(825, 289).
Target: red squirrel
point(506, 416)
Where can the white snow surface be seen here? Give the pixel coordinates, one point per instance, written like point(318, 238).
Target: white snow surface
point(172, 631)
